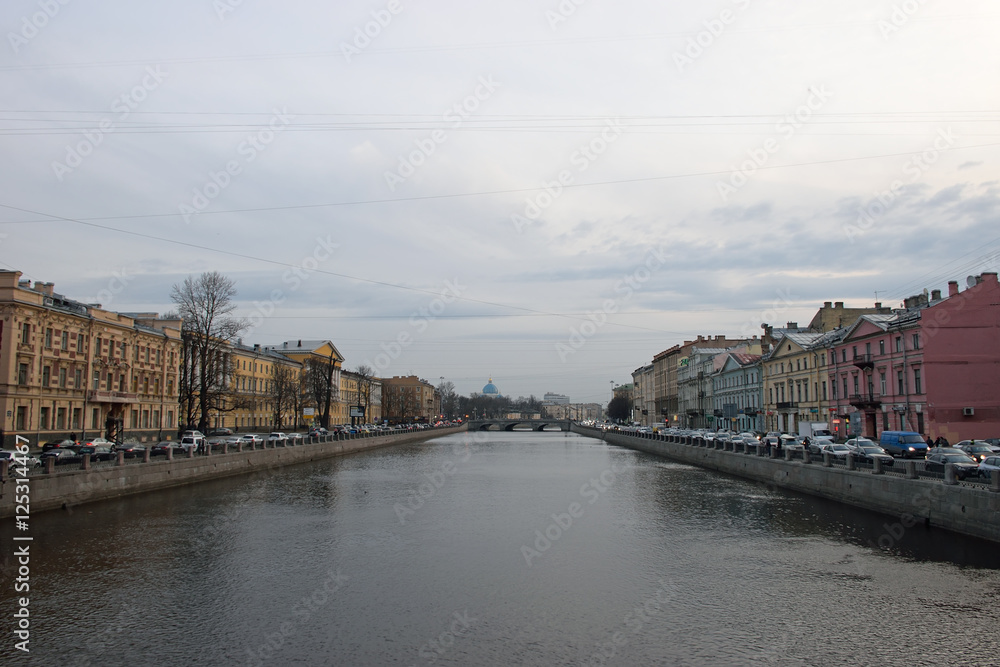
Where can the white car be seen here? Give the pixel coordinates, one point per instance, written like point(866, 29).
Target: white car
point(839, 451)
point(277, 437)
point(988, 466)
point(854, 444)
point(16, 459)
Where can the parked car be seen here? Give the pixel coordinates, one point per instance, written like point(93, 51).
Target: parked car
point(854, 444)
point(964, 466)
point(251, 439)
point(976, 449)
point(220, 431)
point(989, 466)
point(277, 438)
point(871, 452)
point(17, 459)
point(161, 448)
point(189, 442)
point(818, 444)
point(56, 444)
point(97, 441)
point(838, 451)
point(62, 455)
point(131, 449)
point(906, 444)
point(318, 431)
point(97, 452)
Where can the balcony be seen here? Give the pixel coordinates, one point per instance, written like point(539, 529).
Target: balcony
point(863, 361)
point(110, 397)
point(869, 401)
point(787, 406)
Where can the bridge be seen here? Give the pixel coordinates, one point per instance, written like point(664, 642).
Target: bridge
point(512, 424)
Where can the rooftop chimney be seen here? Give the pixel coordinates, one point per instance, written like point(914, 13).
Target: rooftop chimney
point(952, 288)
point(827, 304)
point(300, 342)
point(988, 277)
point(793, 325)
point(839, 305)
point(935, 295)
point(878, 305)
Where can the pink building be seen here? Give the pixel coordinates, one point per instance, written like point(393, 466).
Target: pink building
point(962, 361)
point(932, 367)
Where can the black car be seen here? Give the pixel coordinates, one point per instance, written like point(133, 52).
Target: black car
point(131, 450)
point(871, 452)
point(97, 452)
point(964, 465)
point(161, 448)
point(58, 444)
point(977, 450)
point(62, 455)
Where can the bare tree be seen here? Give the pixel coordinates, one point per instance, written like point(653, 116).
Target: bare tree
point(366, 384)
point(206, 305)
point(449, 399)
point(282, 392)
point(321, 379)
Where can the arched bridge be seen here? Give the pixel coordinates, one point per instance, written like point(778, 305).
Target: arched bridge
point(511, 424)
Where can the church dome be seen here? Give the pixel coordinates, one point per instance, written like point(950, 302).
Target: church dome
point(491, 389)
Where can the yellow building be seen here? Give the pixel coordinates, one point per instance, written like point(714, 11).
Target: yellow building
point(266, 391)
point(410, 398)
point(307, 352)
point(795, 380)
point(69, 369)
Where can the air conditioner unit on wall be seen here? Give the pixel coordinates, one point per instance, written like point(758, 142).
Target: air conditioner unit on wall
point(968, 412)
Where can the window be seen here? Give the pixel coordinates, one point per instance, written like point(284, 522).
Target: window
point(824, 391)
point(899, 381)
point(62, 378)
point(856, 390)
point(881, 347)
point(147, 354)
point(25, 333)
point(22, 374)
point(145, 419)
point(95, 418)
point(22, 418)
point(79, 343)
point(917, 384)
point(157, 356)
point(843, 355)
point(61, 418)
point(121, 383)
point(833, 388)
point(78, 378)
point(770, 395)
point(98, 345)
point(881, 382)
point(43, 419)
point(798, 391)
point(805, 387)
point(899, 343)
point(48, 338)
point(134, 422)
point(97, 381)
point(46, 375)
point(805, 364)
point(64, 341)
point(76, 418)
point(868, 349)
point(170, 418)
point(145, 385)
point(156, 419)
point(916, 341)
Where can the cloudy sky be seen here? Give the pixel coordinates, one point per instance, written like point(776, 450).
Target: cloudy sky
point(546, 193)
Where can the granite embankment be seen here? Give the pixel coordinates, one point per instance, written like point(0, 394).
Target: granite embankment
point(970, 509)
point(75, 485)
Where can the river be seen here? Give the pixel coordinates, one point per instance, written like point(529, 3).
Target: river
point(501, 549)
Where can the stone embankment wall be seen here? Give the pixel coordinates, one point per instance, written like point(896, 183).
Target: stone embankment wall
point(70, 485)
point(970, 509)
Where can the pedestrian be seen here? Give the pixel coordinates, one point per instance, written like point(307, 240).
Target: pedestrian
point(930, 441)
point(72, 436)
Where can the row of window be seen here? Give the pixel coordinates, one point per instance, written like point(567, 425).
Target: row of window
point(102, 345)
point(101, 380)
point(901, 388)
point(71, 418)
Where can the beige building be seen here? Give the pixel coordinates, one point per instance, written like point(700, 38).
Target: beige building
point(73, 369)
point(796, 375)
point(410, 398)
point(253, 395)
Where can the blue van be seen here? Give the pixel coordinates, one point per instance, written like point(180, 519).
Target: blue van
point(907, 444)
